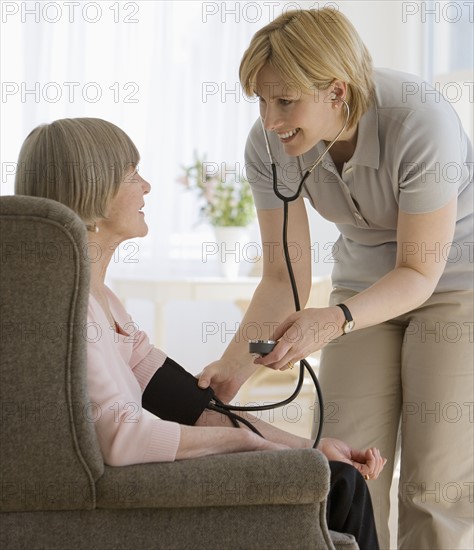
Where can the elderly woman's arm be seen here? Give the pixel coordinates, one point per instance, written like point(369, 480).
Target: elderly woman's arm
point(202, 441)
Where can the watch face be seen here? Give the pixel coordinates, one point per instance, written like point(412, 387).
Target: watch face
point(348, 326)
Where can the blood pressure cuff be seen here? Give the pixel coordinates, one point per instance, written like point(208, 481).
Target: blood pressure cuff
point(173, 394)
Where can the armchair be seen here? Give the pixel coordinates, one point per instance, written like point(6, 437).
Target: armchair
point(56, 490)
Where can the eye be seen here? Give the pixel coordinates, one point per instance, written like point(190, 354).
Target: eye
point(131, 177)
point(285, 102)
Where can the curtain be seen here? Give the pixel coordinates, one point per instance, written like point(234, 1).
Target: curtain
point(167, 73)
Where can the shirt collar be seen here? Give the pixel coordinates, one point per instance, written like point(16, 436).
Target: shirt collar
point(367, 152)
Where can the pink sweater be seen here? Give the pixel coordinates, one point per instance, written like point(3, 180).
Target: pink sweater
point(118, 370)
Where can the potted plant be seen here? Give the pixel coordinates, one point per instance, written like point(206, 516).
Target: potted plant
point(226, 202)
point(225, 198)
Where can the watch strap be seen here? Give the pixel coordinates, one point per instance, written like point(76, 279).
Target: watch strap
point(347, 313)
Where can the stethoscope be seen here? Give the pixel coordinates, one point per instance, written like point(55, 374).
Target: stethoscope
point(226, 408)
point(286, 200)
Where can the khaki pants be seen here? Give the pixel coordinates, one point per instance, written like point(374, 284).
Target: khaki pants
point(411, 376)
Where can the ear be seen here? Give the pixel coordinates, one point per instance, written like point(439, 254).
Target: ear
point(339, 90)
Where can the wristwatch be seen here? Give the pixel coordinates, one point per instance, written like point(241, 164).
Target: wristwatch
point(349, 322)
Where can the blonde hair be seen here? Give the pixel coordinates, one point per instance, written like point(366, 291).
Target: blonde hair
point(79, 162)
point(309, 49)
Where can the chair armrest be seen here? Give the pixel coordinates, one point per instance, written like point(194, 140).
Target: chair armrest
point(343, 541)
point(240, 479)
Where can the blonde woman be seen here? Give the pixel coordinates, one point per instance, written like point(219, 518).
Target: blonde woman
point(396, 338)
point(90, 165)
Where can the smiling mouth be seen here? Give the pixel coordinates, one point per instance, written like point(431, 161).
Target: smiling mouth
point(287, 136)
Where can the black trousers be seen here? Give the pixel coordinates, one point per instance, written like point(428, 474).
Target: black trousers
point(173, 394)
point(349, 507)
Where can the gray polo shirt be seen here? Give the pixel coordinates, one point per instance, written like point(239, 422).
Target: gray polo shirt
point(412, 154)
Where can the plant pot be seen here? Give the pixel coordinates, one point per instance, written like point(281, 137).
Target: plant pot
point(230, 241)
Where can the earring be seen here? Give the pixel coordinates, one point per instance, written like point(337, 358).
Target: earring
point(93, 228)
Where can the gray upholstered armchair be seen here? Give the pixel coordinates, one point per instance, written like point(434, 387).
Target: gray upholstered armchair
point(56, 491)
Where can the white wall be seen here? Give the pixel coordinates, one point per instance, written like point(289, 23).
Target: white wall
point(171, 51)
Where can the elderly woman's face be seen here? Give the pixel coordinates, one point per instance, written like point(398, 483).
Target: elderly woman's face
point(125, 218)
point(299, 119)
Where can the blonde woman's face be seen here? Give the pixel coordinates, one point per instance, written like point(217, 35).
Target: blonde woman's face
point(299, 119)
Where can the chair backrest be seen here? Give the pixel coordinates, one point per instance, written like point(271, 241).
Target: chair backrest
point(49, 453)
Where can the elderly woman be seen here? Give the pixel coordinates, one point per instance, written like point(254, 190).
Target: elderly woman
point(91, 166)
point(396, 338)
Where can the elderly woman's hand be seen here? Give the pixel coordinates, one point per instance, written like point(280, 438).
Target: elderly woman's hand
point(369, 462)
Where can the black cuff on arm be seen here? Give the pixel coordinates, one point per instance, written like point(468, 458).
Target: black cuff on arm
point(173, 394)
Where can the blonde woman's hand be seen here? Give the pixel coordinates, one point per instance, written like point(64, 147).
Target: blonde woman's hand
point(225, 377)
point(302, 334)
